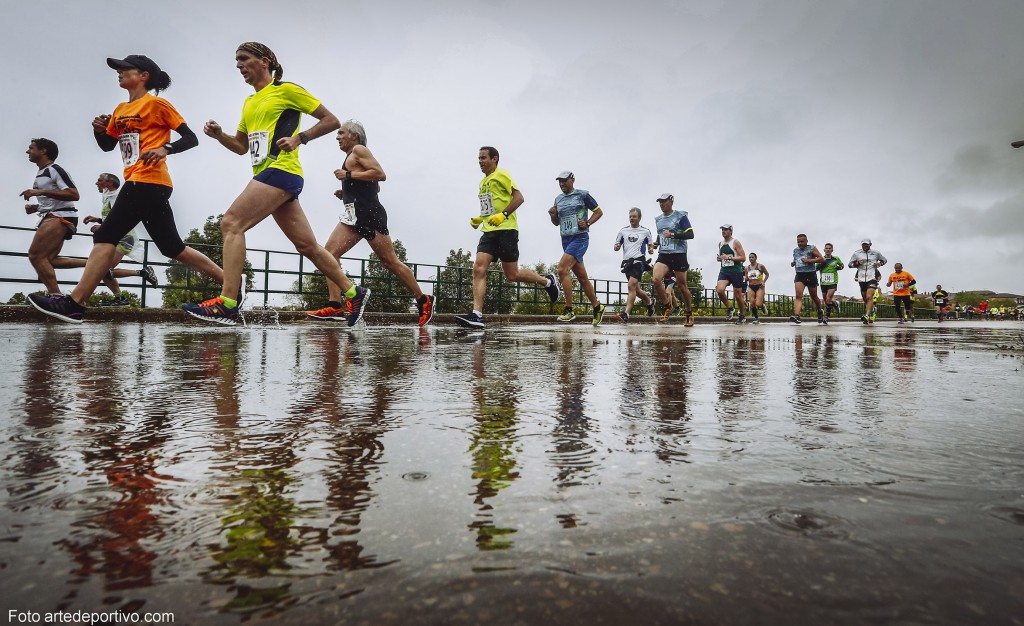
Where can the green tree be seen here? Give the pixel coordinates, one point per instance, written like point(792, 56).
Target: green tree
point(454, 286)
point(18, 298)
point(187, 285)
point(388, 293)
point(533, 300)
point(313, 292)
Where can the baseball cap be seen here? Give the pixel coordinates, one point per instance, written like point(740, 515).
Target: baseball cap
point(866, 240)
point(564, 175)
point(137, 61)
point(664, 196)
point(729, 226)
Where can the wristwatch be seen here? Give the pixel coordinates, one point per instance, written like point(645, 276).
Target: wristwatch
point(169, 147)
point(303, 138)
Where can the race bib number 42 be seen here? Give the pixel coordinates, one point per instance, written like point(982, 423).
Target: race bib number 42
point(259, 146)
point(129, 143)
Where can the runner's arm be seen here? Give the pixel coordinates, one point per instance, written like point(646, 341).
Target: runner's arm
point(553, 214)
point(326, 123)
point(764, 273)
point(187, 140)
point(517, 201)
point(239, 144)
point(738, 253)
point(594, 216)
point(686, 229)
point(816, 256)
point(57, 194)
point(372, 170)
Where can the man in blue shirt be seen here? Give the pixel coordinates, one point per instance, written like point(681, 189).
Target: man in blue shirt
point(574, 211)
point(673, 230)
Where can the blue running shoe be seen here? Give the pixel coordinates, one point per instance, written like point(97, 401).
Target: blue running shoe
point(213, 310)
point(358, 303)
point(470, 320)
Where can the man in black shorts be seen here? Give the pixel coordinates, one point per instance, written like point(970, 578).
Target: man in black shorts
point(58, 217)
point(805, 260)
point(499, 198)
point(674, 231)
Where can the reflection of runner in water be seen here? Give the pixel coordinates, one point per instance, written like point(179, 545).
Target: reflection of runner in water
point(269, 132)
point(757, 280)
point(574, 212)
point(363, 217)
point(58, 217)
point(634, 241)
point(828, 271)
point(731, 256)
point(499, 199)
point(108, 185)
point(867, 261)
point(142, 128)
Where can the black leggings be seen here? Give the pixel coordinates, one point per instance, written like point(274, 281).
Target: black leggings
point(146, 203)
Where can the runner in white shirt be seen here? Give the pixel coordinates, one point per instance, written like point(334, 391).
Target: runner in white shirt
point(634, 241)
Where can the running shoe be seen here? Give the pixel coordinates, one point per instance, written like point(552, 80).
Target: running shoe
point(650, 308)
point(795, 319)
point(729, 314)
point(426, 309)
point(119, 300)
point(60, 306)
point(901, 322)
point(665, 316)
point(689, 319)
point(328, 313)
point(470, 320)
point(825, 321)
point(756, 321)
point(821, 317)
point(149, 275)
point(863, 319)
point(358, 303)
point(764, 309)
point(552, 289)
point(598, 314)
point(213, 310)
point(677, 311)
point(742, 319)
point(622, 316)
point(567, 316)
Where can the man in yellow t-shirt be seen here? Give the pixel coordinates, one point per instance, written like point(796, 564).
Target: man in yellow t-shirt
point(901, 282)
point(499, 199)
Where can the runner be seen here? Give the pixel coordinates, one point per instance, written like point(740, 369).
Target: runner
point(757, 280)
point(570, 214)
point(674, 230)
point(58, 217)
point(363, 217)
point(269, 133)
point(867, 261)
point(142, 128)
point(941, 299)
point(805, 257)
point(901, 282)
point(634, 241)
point(108, 185)
point(499, 199)
point(730, 252)
point(828, 271)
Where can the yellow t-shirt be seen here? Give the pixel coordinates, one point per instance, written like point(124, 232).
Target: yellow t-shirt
point(274, 113)
point(495, 196)
point(900, 283)
point(144, 124)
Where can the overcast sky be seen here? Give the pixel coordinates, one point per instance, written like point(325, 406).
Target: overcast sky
point(843, 120)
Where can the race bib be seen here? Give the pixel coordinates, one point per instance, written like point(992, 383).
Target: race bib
point(259, 146)
point(486, 204)
point(753, 275)
point(569, 225)
point(129, 143)
point(348, 214)
point(728, 262)
point(828, 279)
point(898, 284)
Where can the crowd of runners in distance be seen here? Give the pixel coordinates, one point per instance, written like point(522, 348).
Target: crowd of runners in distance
point(269, 134)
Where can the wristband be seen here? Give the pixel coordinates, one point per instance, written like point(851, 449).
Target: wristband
point(169, 147)
point(303, 138)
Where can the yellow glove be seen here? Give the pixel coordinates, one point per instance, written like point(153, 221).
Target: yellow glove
point(496, 219)
point(475, 221)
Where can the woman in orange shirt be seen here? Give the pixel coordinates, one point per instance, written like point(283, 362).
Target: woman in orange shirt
point(141, 127)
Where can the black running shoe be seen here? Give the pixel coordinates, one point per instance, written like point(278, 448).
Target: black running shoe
point(552, 289)
point(149, 275)
point(60, 306)
point(470, 320)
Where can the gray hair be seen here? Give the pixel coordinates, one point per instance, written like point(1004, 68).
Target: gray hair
point(637, 211)
point(114, 181)
point(356, 128)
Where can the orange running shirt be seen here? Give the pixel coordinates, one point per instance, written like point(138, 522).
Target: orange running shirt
point(900, 283)
point(144, 124)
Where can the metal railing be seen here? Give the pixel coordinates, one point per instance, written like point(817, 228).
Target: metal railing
point(286, 275)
